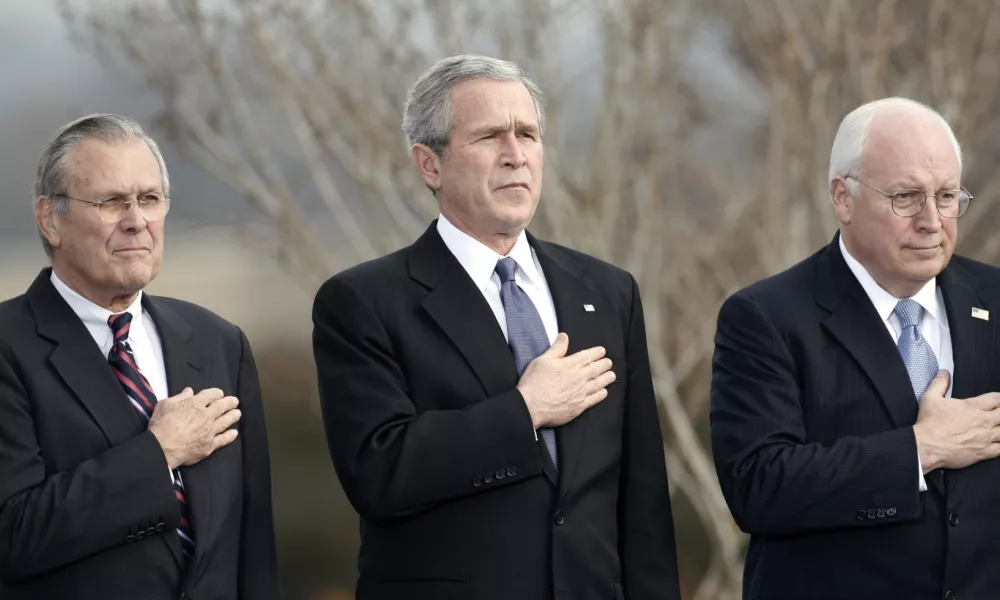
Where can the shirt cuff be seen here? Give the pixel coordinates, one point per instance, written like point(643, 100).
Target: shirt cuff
point(920, 471)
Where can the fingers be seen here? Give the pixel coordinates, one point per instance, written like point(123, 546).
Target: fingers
point(585, 357)
point(939, 385)
point(594, 398)
point(224, 439)
point(559, 347)
point(596, 368)
point(989, 401)
point(226, 421)
point(184, 394)
point(221, 406)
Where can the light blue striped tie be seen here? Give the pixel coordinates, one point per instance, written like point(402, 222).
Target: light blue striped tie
point(921, 364)
point(525, 332)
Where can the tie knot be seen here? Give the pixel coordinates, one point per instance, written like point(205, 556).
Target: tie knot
point(909, 312)
point(505, 269)
point(120, 325)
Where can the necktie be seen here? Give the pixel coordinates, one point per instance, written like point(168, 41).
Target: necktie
point(140, 395)
point(525, 333)
point(921, 364)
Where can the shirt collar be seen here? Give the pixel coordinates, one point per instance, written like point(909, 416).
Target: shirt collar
point(479, 260)
point(885, 302)
point(93, 316)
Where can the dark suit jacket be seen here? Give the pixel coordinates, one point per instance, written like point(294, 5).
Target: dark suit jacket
point(434, 446)
point(812, 415)
point(81, 478)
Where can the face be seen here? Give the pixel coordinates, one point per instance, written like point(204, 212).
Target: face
point(910, 150)
point(105, 260)
point(490, 180)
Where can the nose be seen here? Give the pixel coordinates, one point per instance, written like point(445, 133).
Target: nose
point(132, 221)
point(929, 219)
point(511, 153)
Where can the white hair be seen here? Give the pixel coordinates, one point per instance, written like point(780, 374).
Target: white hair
point(852, 136)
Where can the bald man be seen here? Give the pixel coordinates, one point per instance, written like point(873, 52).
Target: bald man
point(854, 406)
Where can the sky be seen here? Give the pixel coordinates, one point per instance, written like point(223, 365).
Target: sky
point(45, 81)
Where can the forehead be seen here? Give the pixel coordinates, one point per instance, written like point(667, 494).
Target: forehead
point(98, 166)
point(477, 102)
point(910, 145)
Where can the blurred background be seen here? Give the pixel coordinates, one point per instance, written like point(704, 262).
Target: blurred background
point(687, 142)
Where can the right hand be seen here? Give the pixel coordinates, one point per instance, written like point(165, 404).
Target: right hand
point(953, 433)
point(190, 426)
point(557, 388)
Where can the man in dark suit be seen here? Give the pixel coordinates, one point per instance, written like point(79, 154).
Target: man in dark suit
point(490, 456)
point(854, 414)
point(117, 480)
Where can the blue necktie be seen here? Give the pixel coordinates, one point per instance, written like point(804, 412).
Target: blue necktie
point(525, 333)
point(921, 364)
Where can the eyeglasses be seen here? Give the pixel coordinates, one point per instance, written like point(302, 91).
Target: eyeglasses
point(951, 204)
point(152, 207)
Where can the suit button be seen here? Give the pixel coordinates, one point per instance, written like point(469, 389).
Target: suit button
point(151, 531)
point(161, 527)
point(872, 513)
point(500, 474)
point(891, 511)
point(950, 595)
point(559, 517)
point(140, 534)
point(861, 515)
point(477, 481)
point(130, 539)
point(881, 513)
point(953, 519)
point(511, 471)
point(488, 478)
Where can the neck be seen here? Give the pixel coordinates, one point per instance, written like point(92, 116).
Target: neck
point(116, 303)
point(898, 288)
point(501, 243)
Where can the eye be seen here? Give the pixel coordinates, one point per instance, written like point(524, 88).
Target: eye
point(527, 134)
point(949, 196)
point(151, 199)
point(905, 196)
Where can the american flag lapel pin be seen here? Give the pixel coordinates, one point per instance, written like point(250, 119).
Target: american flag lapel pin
point(588, 307)
point(979, 313)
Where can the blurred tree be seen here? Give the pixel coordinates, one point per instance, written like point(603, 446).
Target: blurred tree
point(688, 143)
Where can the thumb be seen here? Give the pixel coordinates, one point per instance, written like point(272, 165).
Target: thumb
point(559, 347)
point(939, 385)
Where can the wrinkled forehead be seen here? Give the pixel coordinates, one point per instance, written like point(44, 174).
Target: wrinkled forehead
point(98, 167)
point(909, 142)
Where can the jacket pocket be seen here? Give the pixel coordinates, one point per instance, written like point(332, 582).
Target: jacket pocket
point(422, 589)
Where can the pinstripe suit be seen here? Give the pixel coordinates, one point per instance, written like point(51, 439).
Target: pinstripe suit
point(811, 418)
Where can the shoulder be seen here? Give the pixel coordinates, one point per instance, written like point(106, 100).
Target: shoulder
point(199, 318)
point(369, 277)
point(590, 268)
point(786, 293)
point(16, 320)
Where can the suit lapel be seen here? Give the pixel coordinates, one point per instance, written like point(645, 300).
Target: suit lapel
point(461, 311)
point(569, 294)
point(854, 322)
point(185, 366)
point(79, 363)
point(971, 338)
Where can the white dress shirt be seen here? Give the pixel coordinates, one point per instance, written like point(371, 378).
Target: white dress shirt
point(480, 262)
point(142, 336)
point(933, 323)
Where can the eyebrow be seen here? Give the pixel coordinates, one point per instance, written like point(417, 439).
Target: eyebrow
point(142, 192)
point(493, 129)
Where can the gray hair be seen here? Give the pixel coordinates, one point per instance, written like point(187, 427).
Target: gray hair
point(427, 116)
point(852, 136)
point(51, 179)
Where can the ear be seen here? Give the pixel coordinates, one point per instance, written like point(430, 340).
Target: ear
point(843, 201)
point(47, 220)
point(428, 164)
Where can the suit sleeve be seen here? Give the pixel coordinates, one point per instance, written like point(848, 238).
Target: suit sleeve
point(48, 520)
point(647, 547)
point(775, 481)
point(392, 461)
point(258, 562)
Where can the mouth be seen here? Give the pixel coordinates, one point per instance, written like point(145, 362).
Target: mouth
point(137, 250)
point(510, 186)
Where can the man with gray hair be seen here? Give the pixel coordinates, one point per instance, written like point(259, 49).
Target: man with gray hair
point(855, 422)
point(487, 395)
point(126, 470)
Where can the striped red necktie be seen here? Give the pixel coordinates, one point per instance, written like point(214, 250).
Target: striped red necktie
point(140, 395)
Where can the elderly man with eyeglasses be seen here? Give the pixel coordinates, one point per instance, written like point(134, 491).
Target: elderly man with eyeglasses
point(126, 470)
point(855, 422)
